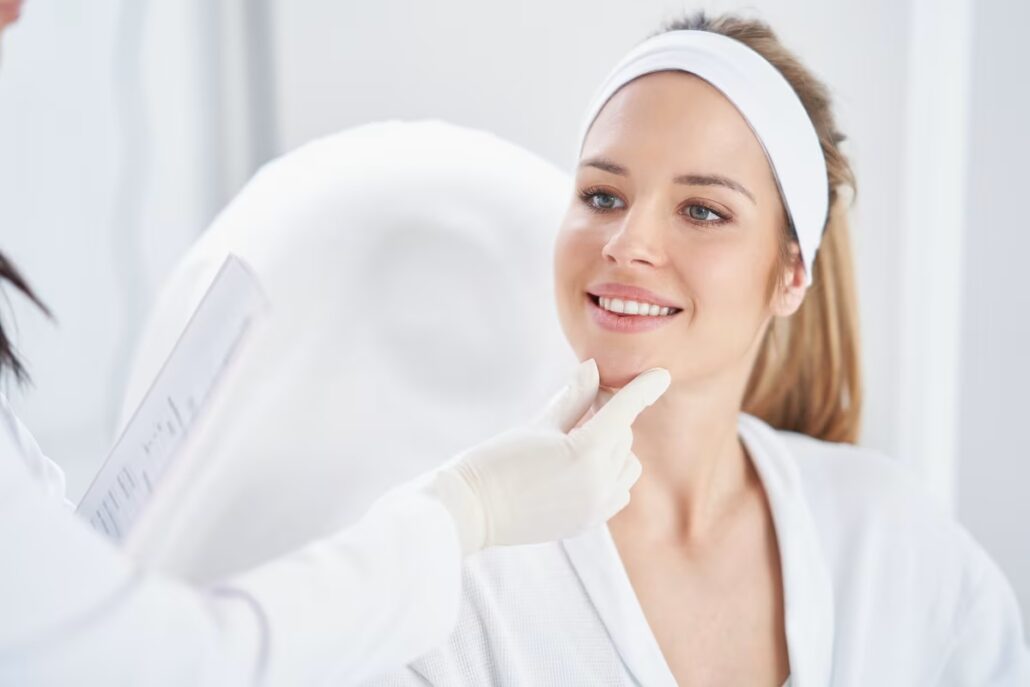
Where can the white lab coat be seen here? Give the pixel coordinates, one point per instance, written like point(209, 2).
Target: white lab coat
point(75, 611)
point(880, 587)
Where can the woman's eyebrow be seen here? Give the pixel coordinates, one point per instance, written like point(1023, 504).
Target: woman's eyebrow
point(606, 165)
point(611, 167)
point(713, 180)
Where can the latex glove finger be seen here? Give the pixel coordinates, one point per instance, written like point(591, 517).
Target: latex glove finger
point(628, 476)
point(622, 409)
point(619, 501)
point(621, 449)
point(630, 473)
point(571, 403)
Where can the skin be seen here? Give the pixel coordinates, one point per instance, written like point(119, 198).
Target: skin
point(697, 538)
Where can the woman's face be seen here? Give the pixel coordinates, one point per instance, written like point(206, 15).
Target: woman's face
point(675, 207)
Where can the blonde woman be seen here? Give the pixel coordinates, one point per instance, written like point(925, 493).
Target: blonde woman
point(708, 235)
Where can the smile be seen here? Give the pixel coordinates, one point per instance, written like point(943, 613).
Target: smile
point(626, 307)
point(629, 316)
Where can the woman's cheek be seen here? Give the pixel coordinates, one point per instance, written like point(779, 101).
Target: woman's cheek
point(722, 271)
point(563, 264)
point(575, 251)
point(564, 276)
point(730, 298)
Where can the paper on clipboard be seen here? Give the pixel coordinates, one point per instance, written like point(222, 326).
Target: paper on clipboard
point(175, 400)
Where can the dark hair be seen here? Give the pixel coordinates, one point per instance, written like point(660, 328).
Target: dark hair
point(8, 356)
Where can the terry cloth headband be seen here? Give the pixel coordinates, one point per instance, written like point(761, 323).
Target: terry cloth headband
point(766, 100)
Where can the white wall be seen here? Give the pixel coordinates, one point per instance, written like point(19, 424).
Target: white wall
point(994, 470)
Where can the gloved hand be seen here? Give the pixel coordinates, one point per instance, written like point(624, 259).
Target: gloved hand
point(550, 480)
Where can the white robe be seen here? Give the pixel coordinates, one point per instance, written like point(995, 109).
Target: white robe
point(880, 588)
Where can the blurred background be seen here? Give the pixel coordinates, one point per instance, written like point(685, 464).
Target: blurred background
point(126, 125)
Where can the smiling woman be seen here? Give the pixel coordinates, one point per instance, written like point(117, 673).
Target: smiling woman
point(807, 375)
point(707, 234)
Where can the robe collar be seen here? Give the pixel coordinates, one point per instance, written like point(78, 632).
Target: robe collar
point(807, 584)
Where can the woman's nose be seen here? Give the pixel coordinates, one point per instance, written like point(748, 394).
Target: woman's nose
point(636, 241)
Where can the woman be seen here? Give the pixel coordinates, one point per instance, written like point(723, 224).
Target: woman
point(708, 234)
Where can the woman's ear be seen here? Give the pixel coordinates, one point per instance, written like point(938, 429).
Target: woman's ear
point(791, 288)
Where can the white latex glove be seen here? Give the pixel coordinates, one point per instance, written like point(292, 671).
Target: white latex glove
point(550, 480)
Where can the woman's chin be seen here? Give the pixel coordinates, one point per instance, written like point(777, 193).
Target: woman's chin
point(615, 375)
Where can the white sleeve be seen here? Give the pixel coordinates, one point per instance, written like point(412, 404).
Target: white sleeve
point(76, 611)
point(46, 474)
point(379, 595)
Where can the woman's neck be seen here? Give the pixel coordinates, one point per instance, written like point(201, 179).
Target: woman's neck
point(695, 468)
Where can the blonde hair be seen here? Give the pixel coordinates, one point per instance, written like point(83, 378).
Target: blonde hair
point(807, 376)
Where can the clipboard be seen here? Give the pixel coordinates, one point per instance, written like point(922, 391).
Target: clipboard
point(155, 435)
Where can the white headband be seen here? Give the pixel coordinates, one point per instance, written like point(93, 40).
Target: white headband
point(766, 100)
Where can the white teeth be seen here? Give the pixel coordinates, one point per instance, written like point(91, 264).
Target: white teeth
point(617, 305)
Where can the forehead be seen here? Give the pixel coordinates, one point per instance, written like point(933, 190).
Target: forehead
point(678, 120)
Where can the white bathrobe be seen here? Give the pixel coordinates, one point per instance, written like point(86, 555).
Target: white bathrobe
point(880, 588)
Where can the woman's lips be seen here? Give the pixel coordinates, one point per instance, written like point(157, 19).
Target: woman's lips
point(625, 324)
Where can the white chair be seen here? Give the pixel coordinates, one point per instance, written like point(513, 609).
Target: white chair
point(408, 267)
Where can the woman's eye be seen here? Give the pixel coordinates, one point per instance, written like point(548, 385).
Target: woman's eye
point(604, 201)
point(700, 213)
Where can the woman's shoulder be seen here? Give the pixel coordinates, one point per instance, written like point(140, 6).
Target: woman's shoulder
point(860, 481)
point(881, 529)
point(18, 446)
point(868, 503)
point(873, 510)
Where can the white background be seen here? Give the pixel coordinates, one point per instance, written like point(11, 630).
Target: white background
point(126, 124)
